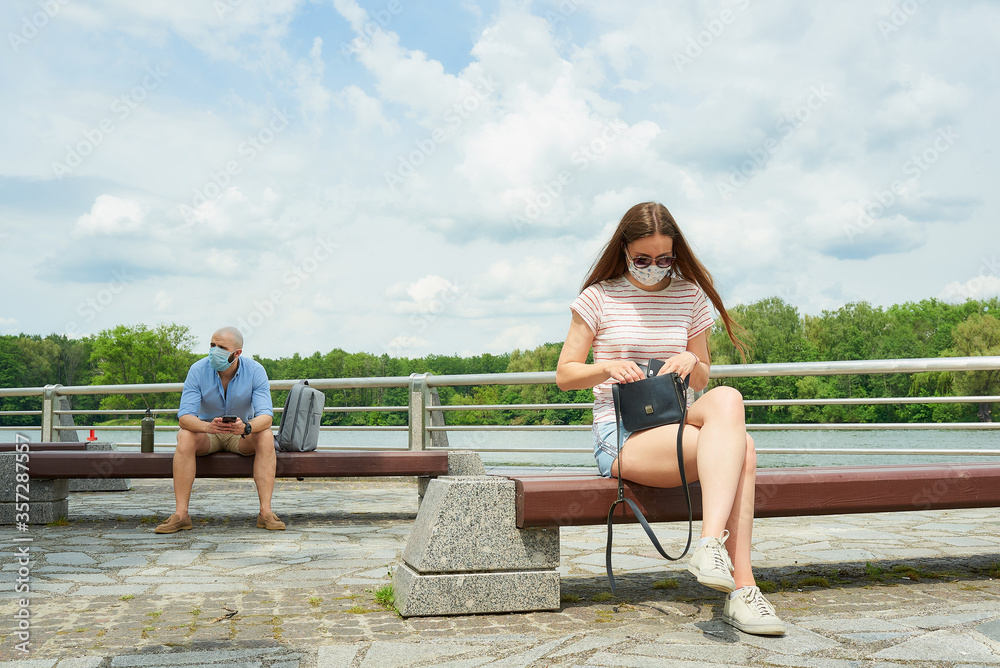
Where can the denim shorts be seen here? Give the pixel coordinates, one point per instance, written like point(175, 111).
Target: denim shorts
point(604, 435)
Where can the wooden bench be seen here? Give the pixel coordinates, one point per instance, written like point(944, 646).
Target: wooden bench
point(51, 471)
point(490, 544)
point(569, 500)
point(326, 464)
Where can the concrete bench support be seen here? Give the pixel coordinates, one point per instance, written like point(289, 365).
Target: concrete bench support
point(100, 484)
point(47, 500)
point(465, 554)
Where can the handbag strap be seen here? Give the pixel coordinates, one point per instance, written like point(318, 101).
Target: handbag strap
point(678, 385)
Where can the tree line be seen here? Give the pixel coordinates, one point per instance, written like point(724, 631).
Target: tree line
point(775, 329)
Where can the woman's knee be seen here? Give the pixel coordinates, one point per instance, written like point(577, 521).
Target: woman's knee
point(750, 459)
point(725, 401)
point(729, 395)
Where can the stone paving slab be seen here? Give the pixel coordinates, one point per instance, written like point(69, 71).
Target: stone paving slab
point(858, 591)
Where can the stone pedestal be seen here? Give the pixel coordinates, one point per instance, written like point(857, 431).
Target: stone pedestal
point(460, 462)
point(100, 484)
point(43, 501)
point(465, 554)
point(65, 435)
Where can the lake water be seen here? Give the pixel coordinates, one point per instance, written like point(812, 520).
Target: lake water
point(515, 444)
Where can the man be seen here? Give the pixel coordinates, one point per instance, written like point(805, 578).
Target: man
point(224, 384)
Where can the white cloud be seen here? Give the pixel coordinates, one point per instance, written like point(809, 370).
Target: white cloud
point(234, 212)
point(911, 108)
point(215, 27)
point(528, 279)
point(314, 97)
point(402, 76)
point(429, 295)
point(517, 337)
point(111, 215)
point(501, 119)
point(981, 287)
point(163, 301)
point(368, 111)
point(407, 346)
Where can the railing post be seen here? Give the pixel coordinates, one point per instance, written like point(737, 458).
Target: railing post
point(418, 419)
point(49, 398)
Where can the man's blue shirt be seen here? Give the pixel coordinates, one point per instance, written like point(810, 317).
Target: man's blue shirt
point(247, 396)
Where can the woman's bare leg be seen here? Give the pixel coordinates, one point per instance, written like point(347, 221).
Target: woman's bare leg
point(721, 448)
point(718, 453)
point(740, 524)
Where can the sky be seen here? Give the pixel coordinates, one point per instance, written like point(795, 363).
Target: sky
point(418, 177)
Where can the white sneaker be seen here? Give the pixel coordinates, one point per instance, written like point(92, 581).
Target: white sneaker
point(750, 612)
point(711, 564)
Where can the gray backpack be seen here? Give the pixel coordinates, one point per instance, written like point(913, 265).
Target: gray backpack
point(299, 428)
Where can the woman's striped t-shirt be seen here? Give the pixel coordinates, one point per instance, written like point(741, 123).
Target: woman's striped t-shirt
point(633, 324)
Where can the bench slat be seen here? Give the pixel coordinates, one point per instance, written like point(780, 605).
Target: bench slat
point(35, 447)
point(545, 501)
point(341, 463)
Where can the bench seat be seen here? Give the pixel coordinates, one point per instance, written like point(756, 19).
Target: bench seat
point(32, 447)
point(332, 464)
point(568, 500)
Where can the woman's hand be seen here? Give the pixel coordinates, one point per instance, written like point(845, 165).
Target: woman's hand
point(623, 371)
point(682, 364)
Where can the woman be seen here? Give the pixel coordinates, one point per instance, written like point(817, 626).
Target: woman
point(645, 298)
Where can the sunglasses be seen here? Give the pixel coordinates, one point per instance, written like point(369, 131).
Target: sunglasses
point(643, 261)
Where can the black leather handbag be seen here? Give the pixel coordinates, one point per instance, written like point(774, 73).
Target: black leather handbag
point(651, 402)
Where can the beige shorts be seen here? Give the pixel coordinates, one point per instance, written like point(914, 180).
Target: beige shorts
point(227, 443)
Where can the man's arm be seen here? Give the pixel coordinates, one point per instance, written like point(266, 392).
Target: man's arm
point(193, 423)
point(260, 400)
point(190, 402)
point(216, 426)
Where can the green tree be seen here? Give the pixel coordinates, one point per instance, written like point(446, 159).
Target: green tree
point(33, 361)
point(778, 335)
point(12, 374)
point(134, 355)
point(545, 358)
point(978, 336)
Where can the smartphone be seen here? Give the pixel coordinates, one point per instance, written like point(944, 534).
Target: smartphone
point(229, 418)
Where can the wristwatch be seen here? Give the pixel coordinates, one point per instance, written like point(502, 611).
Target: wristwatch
point(247, 430)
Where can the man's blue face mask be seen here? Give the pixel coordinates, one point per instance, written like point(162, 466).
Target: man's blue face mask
point(219, 358)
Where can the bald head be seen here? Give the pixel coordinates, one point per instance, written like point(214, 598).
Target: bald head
point(232, 336)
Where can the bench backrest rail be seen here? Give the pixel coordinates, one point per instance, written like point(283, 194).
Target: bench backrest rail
point(546, 501)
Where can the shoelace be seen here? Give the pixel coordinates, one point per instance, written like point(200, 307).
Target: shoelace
point(721, 556)
point(756, 602)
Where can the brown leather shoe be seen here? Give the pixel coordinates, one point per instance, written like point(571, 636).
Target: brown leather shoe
point(174, 524)
point(270, 522)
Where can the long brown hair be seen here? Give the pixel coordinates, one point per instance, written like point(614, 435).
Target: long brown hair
point(644, 220)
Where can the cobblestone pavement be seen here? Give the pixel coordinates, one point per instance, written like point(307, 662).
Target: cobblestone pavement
point(896, 589)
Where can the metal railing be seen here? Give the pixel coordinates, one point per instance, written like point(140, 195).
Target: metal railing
point(422, 425)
